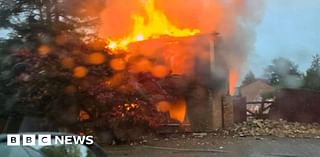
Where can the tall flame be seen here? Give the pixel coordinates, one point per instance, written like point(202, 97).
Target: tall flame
point(233, 78)
point(156, 25)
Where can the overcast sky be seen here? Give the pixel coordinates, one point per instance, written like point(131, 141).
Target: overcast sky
point(289, 28)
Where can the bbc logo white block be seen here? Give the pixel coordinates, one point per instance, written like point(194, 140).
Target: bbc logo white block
point(44, 140)
point(13, 139)
point(28, 140)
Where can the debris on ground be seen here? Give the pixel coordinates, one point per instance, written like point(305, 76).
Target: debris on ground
point(281, 128)
point(256, 128)
point(199, 135)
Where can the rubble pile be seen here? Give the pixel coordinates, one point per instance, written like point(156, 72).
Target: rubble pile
point(281, 128)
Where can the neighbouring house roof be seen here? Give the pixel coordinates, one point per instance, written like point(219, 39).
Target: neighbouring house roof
point(257, 80)
point(253, 91)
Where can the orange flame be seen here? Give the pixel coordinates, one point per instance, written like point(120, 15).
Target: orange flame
point(233, 78)
point(155, 26)
point(177, 110)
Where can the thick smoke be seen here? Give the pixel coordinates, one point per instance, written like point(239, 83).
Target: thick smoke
point(234, 20)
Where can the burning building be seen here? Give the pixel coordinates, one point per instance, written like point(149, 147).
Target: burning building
point(196, 67)
point(159, 54)
point(197, 73)
point(191, 64)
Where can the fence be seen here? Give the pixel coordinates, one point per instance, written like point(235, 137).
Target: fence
point(259, 109)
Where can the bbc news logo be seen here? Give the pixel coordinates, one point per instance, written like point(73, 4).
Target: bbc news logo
point(47, 139)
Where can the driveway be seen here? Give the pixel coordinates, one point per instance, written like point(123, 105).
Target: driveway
point(220, 147)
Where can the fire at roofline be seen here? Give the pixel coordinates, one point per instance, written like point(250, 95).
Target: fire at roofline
point(125, 22)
